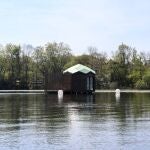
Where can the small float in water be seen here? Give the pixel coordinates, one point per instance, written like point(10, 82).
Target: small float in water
point(60, 94)
point(117, 94)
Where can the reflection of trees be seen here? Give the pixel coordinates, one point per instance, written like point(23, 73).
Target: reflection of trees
point(130, 106)
point(141, 105)
point(36, 113)
point(16, 108)
point(133, 105)
point(52, 118)
point(46, 116)
point(81, 98)
point(10, 108)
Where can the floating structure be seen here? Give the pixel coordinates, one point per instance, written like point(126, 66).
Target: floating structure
point(76, 79)
point(79, 79)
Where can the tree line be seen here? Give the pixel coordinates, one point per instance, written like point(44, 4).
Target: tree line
point(28, 67)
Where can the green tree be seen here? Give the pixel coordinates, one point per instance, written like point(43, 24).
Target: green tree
point(51, 60)
point(14, 65)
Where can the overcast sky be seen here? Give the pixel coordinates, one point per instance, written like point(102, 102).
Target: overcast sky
point(80, 23)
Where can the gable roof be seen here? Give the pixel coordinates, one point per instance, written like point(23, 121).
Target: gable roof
point(79, 68)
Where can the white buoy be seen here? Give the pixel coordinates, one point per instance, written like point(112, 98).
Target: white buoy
point(117, 94)
point(117, 91)
point(60, 94)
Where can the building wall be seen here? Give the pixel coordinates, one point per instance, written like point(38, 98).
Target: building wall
point(76, 82)
point(55, 81)
point(80, 82)
point(67, 82)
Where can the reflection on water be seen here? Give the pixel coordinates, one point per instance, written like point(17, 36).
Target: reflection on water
point(98, 121)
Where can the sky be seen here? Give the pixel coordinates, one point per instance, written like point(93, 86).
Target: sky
point(104, 24)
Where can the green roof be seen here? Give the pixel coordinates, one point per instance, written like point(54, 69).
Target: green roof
point(79, 68)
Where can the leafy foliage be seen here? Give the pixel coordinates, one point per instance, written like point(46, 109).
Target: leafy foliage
point(20, 67)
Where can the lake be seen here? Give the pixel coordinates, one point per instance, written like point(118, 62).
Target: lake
point(101, 122)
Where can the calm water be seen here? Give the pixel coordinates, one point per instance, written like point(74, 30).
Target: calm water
point(36, 122)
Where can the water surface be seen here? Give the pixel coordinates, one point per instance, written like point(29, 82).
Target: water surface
point(36, 122)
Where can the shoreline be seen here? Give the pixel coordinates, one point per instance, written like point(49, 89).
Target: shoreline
point(123, 91)
point(55, 91)
point(22, 91)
